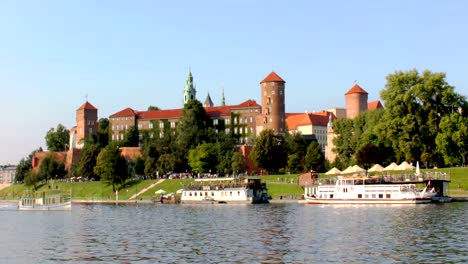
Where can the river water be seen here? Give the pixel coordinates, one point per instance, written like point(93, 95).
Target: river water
point(271, 233)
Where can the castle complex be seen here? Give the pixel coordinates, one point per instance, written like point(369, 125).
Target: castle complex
point(246, 120)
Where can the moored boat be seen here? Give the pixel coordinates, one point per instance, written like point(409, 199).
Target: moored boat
point(45, 202)
point(394, 189)
point(225, 190)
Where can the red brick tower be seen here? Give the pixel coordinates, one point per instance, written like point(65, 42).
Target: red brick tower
point(273, 110)
point(86, 122)
point(356, 101)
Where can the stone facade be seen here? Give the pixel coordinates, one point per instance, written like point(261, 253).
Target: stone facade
point(7, 174)
point(86, 125)
point(273, 114)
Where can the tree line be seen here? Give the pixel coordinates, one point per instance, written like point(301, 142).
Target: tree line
point(423, 120)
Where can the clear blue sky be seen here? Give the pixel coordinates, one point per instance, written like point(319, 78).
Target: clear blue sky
point(137, 53)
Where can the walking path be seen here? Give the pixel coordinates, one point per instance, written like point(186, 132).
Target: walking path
point(145, 189)
point(4, 185)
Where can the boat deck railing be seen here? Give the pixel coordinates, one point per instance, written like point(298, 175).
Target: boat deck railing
point(390, 178)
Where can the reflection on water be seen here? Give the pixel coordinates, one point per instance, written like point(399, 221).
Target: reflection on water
point(271, 233)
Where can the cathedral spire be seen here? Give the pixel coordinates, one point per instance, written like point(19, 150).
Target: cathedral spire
point(223, 100)
point(189, 91)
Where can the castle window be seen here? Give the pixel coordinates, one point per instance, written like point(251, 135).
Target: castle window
point(90, 130)
point(161, 124)
point(150, 125)
point(251, 119)
point(273, 92)
point(281, 92)
point(172, 124)
point(215, 121)
point(140, 126)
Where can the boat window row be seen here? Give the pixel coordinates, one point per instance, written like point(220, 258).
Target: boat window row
point(212, 193)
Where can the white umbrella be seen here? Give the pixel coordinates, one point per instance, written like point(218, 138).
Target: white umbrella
point(179, 191)
point(160, 191)
point(376, 168)
point(333, 171)
point(348, 170)
point(390, 167)
point(404, 166)
point(417, 169)
point(354, 169)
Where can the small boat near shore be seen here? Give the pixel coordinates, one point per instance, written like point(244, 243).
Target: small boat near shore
point(225, 190)
point(45, 202)
point(394, 189)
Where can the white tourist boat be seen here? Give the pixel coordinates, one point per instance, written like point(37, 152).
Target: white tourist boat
point(225, 190)
point(44, 202)
point(395, 189)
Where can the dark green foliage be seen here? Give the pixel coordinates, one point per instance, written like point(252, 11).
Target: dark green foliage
point(152, 108)
point(57, 139)
point(51, 168)
point(23, 168)
point(103, 132)
point(190, 128)
point(131, 137)
point(238, 164)
point(315, 159)
point(203, 158)
point(269, 152)
point(452, 141)
point(297, 147)
point(368, 155)
point(32, 180)
point(88, 156)
point(166, 163)
point(138, 166)
point(111, 167)
point(415, 104)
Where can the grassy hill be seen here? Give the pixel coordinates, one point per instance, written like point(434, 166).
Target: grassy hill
point(285, 186)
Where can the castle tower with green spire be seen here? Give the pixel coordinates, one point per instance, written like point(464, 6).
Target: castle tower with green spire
point(223, 100)
point(189, 91)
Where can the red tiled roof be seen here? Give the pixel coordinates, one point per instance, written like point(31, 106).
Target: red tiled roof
point(87, 106)
point(273, 77)
point(303, 119)
point(160, 114)
point(374, 105)
point(356, 89)
point(126, 112)
point(248, 103)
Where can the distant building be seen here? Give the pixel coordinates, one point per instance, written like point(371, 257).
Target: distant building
point(7, 174)
point(310, 125)
point(244, 120)
point(356, 101)
point(86, 125)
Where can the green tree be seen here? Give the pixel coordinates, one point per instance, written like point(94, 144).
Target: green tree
point(203, 158)
point(51, 168)
point(452, 141)
point(415, 104)
point(24, 167)
point(238, 164)
point(295, 163)
point(315, 159)
point(191, 126)
point(87, 161)
point(138, 166)
point(368, 155)
point(32, 180)
point(297, 147)
point(103, 132)
point(131, 137)
point(166, 163)
point(111, 167)
point(57, 139)
point(269, 152)
point(152, 108)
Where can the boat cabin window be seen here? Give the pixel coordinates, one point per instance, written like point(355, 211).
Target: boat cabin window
point(367, 195)
point(230, 193)
point(195, 194)
point(201, 194)
point(359, 196)
point(190, 194)
point(349, 182)
point(331, 196)
point(206, 193)
point(381, 195)
point(212, 193)
point(238, 193)
point(374, 195)
point(387, 196)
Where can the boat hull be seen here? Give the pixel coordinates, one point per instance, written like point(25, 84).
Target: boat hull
point(55, 207)
point(368, 201)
